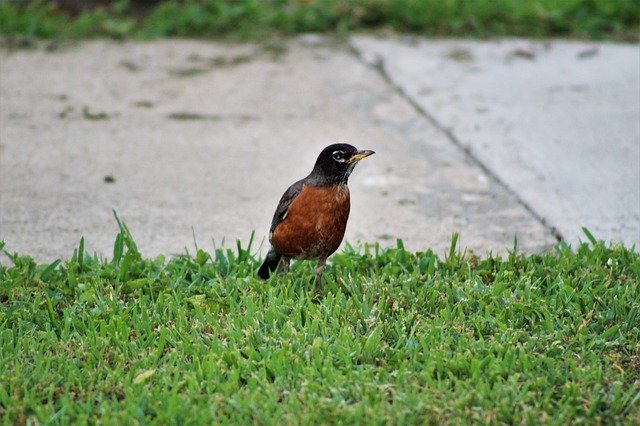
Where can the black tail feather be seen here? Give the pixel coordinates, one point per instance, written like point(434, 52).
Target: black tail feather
point(270, 264)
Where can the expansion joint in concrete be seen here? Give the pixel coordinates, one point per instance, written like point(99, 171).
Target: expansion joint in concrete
point(378, 65)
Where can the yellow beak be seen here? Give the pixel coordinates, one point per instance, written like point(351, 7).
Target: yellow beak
point(360, 155)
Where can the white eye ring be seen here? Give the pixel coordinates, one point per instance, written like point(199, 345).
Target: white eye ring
point(338, 156)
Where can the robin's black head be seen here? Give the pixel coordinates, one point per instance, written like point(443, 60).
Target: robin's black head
point(335, 163)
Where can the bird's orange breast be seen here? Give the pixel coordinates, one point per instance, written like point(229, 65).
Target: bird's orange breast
point(314, 224)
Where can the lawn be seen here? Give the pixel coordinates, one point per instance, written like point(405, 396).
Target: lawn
point(257, 19)
point(395, 337)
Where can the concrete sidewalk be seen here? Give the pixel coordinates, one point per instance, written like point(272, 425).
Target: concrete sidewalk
point(193, 137)
point(557, 122)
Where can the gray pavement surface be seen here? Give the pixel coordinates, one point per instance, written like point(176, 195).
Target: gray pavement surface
point(557, 122)
point(194, 138)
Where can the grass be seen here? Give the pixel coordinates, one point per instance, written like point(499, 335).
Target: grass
point(256, 19)
point(396, 337)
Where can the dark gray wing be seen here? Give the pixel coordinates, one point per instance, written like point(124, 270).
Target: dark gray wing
point(283, 206)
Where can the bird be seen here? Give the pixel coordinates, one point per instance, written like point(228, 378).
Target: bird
point(311, 217)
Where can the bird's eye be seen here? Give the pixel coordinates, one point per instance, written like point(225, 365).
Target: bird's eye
point(338, 156)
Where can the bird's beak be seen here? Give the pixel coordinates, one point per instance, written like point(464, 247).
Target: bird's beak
point(359, 155)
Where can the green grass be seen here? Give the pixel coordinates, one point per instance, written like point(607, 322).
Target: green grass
point(396, 337)
point(255, 19)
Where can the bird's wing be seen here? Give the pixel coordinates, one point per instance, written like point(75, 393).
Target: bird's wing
point(283, 206)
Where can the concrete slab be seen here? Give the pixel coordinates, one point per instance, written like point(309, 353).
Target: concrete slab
point(557, 121)
point(191, 135)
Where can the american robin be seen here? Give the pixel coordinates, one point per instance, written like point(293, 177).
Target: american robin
point(311, 218)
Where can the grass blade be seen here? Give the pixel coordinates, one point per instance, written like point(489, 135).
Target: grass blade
point(590, 236)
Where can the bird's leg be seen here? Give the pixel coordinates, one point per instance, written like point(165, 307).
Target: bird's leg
point(284, 264)
point(321, 264)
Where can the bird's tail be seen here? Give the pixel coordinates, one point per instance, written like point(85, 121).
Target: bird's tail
point(270, 264)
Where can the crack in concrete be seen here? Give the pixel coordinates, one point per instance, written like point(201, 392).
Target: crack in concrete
point(379, 66)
